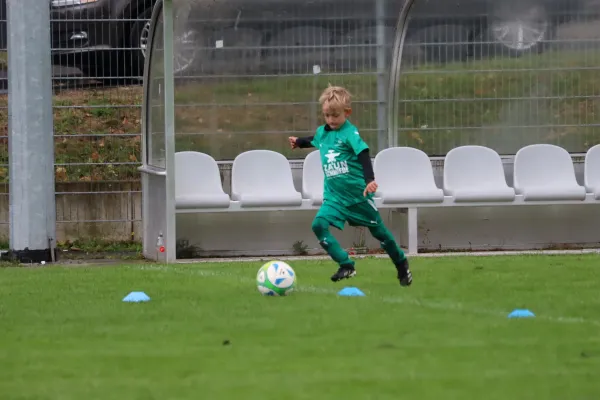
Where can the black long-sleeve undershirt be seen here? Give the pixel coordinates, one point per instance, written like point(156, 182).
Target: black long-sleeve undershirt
point(365, 160)
point(363, 157)
point(305, 142)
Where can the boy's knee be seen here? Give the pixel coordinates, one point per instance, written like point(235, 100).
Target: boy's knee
point(381, 233)
point(320, 227)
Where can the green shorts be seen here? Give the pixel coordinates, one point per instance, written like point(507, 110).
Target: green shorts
point(361, 214)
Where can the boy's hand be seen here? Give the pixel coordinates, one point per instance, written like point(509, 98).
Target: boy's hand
point(371, 188)
point(292, 140)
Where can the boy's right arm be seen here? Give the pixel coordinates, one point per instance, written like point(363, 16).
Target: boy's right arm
point(302, 142)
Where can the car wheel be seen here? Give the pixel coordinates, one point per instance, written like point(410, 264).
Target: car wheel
point(137, 48)
point(519, 28)
point(145, 38)
point(186, 51)
point(185, 46)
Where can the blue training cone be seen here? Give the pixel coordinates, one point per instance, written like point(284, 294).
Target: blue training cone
point(350, 291)
point(518, 313)
point(136, 297)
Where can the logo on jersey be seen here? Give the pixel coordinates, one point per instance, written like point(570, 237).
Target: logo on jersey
point(334, 167)
point(332, 156)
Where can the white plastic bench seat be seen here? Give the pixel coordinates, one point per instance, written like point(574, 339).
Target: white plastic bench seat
point(476, 174)
point(405, 175)
point(313, 178)
point(545, 172)
point(198, 182)
point(592, 171)
point(263, 178)
point(473, 176)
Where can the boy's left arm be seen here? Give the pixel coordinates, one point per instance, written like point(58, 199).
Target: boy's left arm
point(365, 160)
point(361, 149)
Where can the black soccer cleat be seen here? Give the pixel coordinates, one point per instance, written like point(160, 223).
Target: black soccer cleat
point(344, 272)
point(404, 274)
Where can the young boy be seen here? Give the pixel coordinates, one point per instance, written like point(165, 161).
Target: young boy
point(349, 185)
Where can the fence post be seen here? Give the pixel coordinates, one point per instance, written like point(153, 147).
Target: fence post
point(30, 132)
point(382, 73)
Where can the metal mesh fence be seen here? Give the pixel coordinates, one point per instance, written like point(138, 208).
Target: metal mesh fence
point(253, 75)
point(98, 51)
point(474, 72)
point(502, 75)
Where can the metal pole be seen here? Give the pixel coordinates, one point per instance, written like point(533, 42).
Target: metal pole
point(395, 72)
point(30, 131)
point(170, 231)
point(382, 88)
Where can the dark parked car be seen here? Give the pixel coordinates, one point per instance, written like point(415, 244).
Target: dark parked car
point(103, 38)
point(290, 36)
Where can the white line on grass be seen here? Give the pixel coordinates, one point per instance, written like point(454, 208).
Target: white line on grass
point(421, 255)
point(443, 305)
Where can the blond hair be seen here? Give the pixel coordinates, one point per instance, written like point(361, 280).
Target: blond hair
point(336, 97)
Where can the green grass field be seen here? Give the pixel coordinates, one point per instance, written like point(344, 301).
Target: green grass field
point(66, 334)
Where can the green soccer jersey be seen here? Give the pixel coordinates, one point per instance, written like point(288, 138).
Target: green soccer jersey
point(344, 177)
